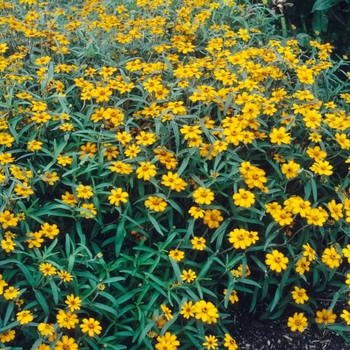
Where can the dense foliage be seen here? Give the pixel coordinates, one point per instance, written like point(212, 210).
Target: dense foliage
point(160, 161)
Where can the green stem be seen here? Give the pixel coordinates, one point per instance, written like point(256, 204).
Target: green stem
point(284, 26)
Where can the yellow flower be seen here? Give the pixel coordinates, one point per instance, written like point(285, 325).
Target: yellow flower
point(8, 219)
point(331, 258)
point(67, 319)
point(280, 136)
point(291, 170)
point(46, 329)
point(196, 212)
point(239, 238)
point(35, 145)
point(298, 322)
point(206, 311)
point(345, 316)
point(325, 316)
point(244, 198)
point(7, 336)
point(89, 149)
point(118, 196)
point(188, 276)
point(276, 261)
point(166, 311)
point(47, 269)
point(145, 138)
point(24, 317)
point(212, 218)
point(229, 342)
point(176, 254)
point(8, 245)
point(84, 191)
point(203, 196)
point(198, 243)
point(91, 327)
point(49, 231)
point(65, 276)
point(89, 212)
point(11, 293)
point(167, 342)
point(73, 302)
point(187, 310)
point(322, 168)
point(146, 170)
point(299, 295)
point(302, 265)
point(211, 342)
point(66, 343)
point(157, 204)
point(233, 296)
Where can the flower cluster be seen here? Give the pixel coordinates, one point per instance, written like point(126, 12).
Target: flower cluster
point(151, 149)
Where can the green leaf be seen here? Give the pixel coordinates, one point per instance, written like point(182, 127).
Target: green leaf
point(320, 22)
point(104, 307)
point(40, 298)
point(324, 4)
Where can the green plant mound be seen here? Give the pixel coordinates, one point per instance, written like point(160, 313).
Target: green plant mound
point(161, 161)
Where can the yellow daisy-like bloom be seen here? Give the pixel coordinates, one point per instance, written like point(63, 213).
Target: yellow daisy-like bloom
point(67, 319)
point(325, 316)
point(244, 198)
point(24, 317)
point(203, 196)
point(35, 145)
point(346, 317)
point(46, 329)
point(176, 254)
point(49, 231)
point(89, 212)
point(66, 343)
point(166, 311)
point(73, 302)
point(280, 136)
point(8, 245)
point(118, 196)
point(211, 342)
point(196, 212)
point(91, 327)
point(233, 296)
point(89, 149)
point(65, 276)
point(146, 170)
point(229, 342)
point(299, 295)
point(291, 170)
point(302, 265)
point(331, 258)
point(206, 311)
point(198, 243)
point(298, 322)
point(276, 261)
point(322, 168)
point(187, 309)
point(7, 336)
point(11, 293)
point(212, 218)
point(188, 276)
point(239, 238)
point(157, 204)
point(84, 191)
point(47, 269)
point(167, 342)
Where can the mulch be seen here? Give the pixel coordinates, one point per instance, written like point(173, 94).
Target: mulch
point(254, 334)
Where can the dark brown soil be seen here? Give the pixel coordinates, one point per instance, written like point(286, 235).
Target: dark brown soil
point(254, 334)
